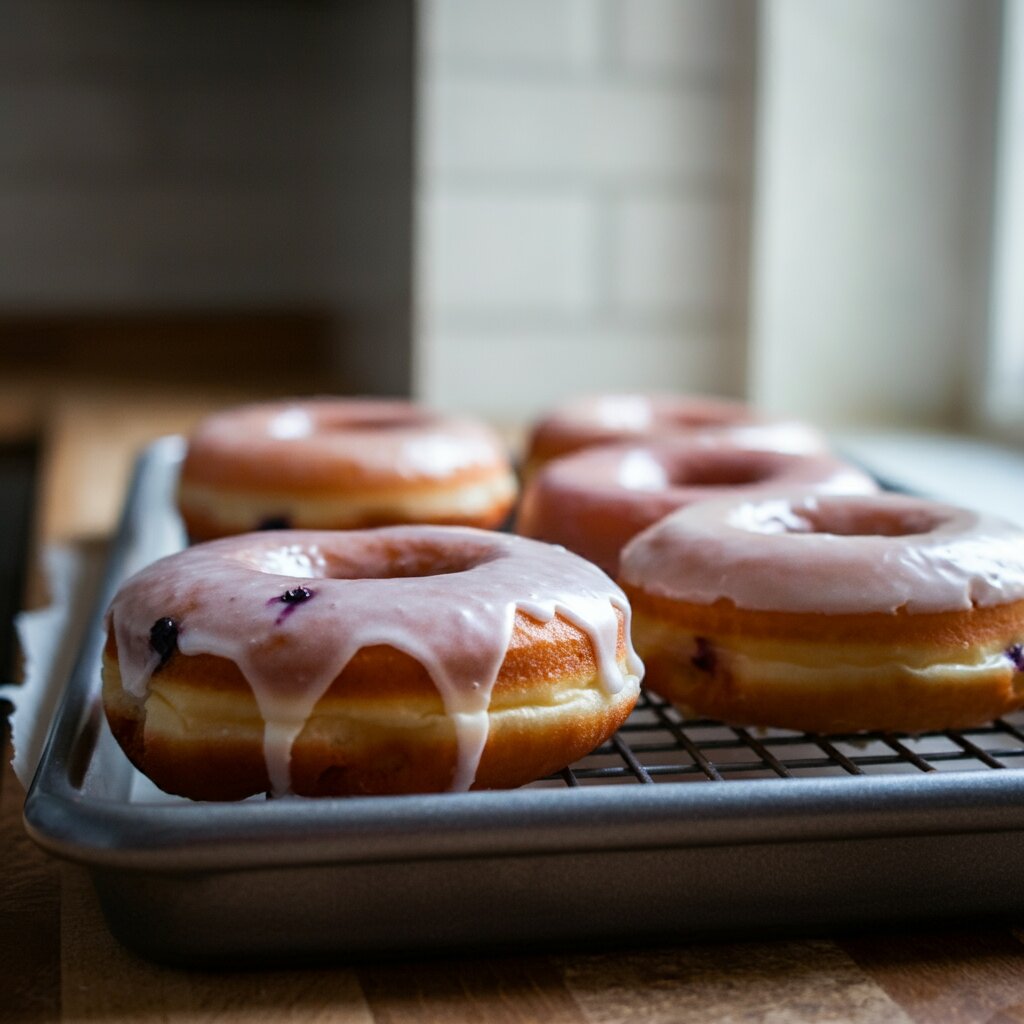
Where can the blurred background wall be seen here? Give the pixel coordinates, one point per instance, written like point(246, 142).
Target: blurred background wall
point(207, 191)
point(786, 200)
point(583, 198)
point(873, 205)
point(497, 203)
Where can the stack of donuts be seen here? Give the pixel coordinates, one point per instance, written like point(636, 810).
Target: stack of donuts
point(351, 618)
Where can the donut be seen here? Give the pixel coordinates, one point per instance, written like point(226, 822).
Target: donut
point(607, 419)
point(341, 464)
point(597, 499)
point(404, 659)
point(831, 613)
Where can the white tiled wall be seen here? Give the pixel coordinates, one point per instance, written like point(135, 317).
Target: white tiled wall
point(522, 249)
point(582, 204)
point(671, 257)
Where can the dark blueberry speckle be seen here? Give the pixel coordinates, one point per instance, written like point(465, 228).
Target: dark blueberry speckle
point(291, 599)
point(704, 657)
point(274, 523)
point(1016, 654)
point(163, 638)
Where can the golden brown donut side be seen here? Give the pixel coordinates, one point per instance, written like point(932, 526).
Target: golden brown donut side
point(379, 729)
point(327, 463)
point(201, 525)
point(832, 673)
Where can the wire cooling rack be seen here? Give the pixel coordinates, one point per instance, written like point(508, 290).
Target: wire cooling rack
point(657, 744)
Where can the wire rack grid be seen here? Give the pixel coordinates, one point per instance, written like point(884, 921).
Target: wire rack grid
point(658, 745)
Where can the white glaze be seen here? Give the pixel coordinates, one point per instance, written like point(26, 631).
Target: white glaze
point(767, 555)
point(225, 598)
point(325, 439)
point(603, 419)
point(595, 500)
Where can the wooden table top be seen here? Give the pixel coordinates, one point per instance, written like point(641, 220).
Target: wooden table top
point(59, 963)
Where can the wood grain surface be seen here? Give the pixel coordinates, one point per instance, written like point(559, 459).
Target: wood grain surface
point(29, 913)
point(58, 962)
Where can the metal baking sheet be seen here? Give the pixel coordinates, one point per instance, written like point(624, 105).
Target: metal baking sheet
point(673, 829)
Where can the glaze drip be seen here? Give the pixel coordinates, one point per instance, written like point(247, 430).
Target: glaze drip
point(445, 596)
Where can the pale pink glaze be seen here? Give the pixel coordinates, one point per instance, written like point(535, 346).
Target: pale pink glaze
point(837, 555)
point(325, 441)
point(596, 500)
point(225, 598)
point(606, 419)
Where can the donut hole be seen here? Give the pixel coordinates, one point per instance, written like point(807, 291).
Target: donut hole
point(406, 562)
point(732, 470)
point(298, 422)
point(860, 520)
point(380, 561)
point(694, 419)
point(837, 517)
point(372, 420)
point(643, 470)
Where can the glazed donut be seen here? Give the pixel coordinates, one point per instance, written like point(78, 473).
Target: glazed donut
point(341, 464)
point(397, 660)
point(595, 500)
point(833, 614)
point(607, 419)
